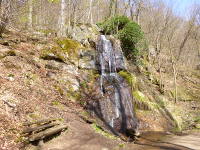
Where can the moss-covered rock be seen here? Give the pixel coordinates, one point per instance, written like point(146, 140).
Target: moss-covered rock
point(129, 77)
point(65, 50)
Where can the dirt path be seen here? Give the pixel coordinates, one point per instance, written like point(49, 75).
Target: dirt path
point(160, 141)
point(81, 136)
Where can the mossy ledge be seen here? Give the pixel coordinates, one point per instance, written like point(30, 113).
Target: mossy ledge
point(63, 50)
point(129, 77)
point(143, 102)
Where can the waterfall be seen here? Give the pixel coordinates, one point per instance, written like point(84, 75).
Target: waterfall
point(116, 108)
point(107, 56)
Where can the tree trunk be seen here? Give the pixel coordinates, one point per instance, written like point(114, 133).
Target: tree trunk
point(90, 18)
point(131, 10)
point(30, 14)
point(175, 75)
point(61, 23)
point(69, 13)
point(113, 8)
point(98, 11)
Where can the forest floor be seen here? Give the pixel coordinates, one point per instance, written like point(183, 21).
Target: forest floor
point(29, 93)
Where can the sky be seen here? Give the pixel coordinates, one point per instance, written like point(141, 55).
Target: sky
point(181, 7)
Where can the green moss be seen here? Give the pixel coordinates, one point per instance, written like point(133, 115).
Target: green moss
point(34, 116)
point(73, 95)
point(99, 130)
point(197, 119)
point(11, 75)
point(56, 103)
point(121, 145)
point(53, 52)
point(31, 76)
point(129, 77)
point(144, 100)
point(68, 46)
point(11, 53)
point(59, 89)
point(64, 50)
point(85, 114)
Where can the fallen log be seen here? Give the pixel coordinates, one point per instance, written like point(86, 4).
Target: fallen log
point(39, 122)
point(34, 129)
point(47, 133)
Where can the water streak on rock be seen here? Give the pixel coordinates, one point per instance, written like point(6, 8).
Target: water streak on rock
point(116, 108)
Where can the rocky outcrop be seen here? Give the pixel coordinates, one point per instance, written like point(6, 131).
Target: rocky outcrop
point(83, 33)
point(115, 58)
point(115, 108)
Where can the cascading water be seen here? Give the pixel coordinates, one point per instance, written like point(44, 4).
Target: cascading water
point(115, 108)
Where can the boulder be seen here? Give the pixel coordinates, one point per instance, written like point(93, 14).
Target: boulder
point(83, 33)
point(87, 59)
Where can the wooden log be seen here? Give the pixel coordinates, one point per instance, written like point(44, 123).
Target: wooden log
point(28, 130)
point(39, 122)
point(47, 133)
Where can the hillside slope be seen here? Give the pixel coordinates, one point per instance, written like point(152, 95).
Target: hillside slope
point(41, 78)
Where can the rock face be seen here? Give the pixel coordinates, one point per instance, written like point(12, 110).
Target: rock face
point(115, 108)
point(83, 33)
point(113, 60)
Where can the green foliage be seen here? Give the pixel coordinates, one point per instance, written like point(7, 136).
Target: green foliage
point(128, 32)
point(113, 25)
point(130, 35)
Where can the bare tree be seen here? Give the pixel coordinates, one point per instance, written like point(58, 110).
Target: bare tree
point(30, 14)
point(62, 19)
point(113, 8)
point(90, 19)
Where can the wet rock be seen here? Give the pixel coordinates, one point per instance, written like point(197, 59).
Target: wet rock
point(117, 56)
point(115, 108)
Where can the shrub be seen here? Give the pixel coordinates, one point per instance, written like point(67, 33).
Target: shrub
point(113, 25)
point(127, 31)
point(130, 35)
